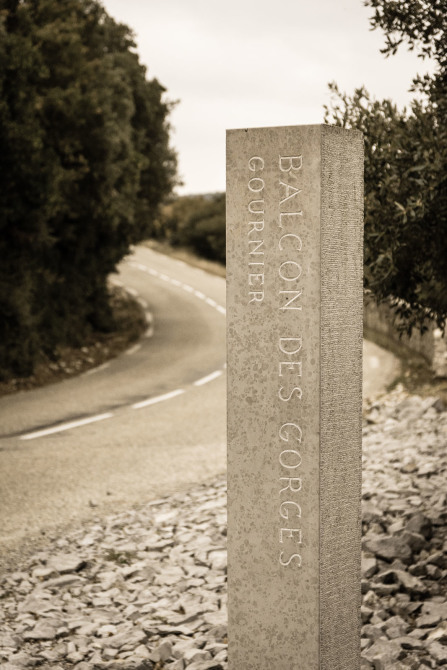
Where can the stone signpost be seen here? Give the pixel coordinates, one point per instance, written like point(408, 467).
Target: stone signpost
point(294, 312)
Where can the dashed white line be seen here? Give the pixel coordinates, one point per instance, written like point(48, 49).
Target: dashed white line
point(176, 282)
point(159, 398)
point(133, 350)
point(374, 362)
point(132, 291)
point(200, 295)
point(208, 378)
point(66, 426)
point(143, 303)
point(150, 325)
point(98, 369)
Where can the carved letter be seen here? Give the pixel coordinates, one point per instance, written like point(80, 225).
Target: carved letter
point(284, 435)
point(282, 269)
point(253, 278)
point(284, 512)
point(296, 388)
point(290, 451)
point(289, 485)
point(296, 295)
point(288, 214)
point(256, 225)
point(290, 365)
point(286, 563)
point(284, 340)
point(255, 251)
point(256, 211)
point(259, 184)
point(256, 163)
point(288, 163)
point(300, 244)
point(258, 296)
point(290, 192)
point(299, 540)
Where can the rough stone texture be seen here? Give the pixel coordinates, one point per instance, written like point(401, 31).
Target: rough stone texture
point(123, 599)
point(294, 208)
point(341, 333)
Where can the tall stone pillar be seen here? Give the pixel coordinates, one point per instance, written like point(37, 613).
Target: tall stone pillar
point(294, 327)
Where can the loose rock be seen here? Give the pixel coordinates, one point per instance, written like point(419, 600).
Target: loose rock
point(146, 588)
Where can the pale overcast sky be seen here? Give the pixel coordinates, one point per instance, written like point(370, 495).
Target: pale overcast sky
point(248, 63)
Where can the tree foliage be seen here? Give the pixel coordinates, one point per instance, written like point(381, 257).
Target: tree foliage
point(405, 169)
point(197, 222)
point(84, 163)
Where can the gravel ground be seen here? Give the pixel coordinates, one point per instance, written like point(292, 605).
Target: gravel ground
point(146, 589)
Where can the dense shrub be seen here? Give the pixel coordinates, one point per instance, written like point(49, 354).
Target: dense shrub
point(405, 169)
point(84, 163)
point(197, 222)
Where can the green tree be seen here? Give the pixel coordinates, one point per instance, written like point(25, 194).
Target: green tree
point(405, 169)
point(197, 222)
point(84, 165)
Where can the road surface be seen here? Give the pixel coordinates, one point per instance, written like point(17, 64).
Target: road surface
point(134, 450)
point(148, 423)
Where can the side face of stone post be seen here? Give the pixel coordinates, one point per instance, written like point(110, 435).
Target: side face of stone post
point(294, 328)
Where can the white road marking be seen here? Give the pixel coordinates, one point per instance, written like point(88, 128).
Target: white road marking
point(200, 295)
point(176, 282)
point(143, 303)
point(208, 378)
point(132, 291)
point(159, 398)
point(150, 325)
point(133, 350)
point(98, 369)
point(374, 362)
point(66, 426)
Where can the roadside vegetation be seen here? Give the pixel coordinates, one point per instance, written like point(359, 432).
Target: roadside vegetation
point(405, 176)
point(195, 223)
point(129, 323)
point(405, 168)
point(86, 170)
point(85, 162)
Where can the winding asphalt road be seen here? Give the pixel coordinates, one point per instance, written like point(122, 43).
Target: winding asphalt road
point(148, 423)
point(158, 412)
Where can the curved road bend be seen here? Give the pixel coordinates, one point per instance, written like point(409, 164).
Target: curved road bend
point(142, 450)
point(149, 422)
